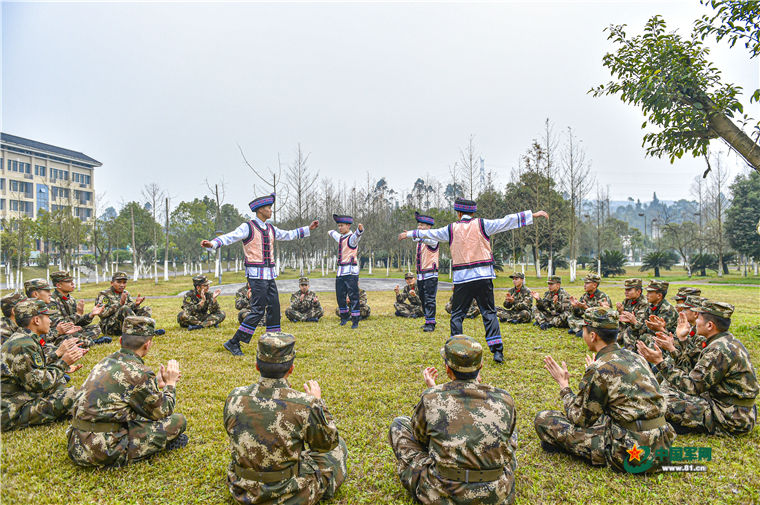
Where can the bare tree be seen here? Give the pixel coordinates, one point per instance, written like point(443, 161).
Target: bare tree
point(271, 181)
point(301, 182)
point(717, 202)
point(217, 222)
point(576, 181)
point(153, 195)
point(466, 169)
point(550, 169)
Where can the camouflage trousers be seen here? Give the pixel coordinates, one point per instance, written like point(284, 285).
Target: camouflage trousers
point(603, 443)
point(112, 324)
point(504, 315)
point(296, 316)
point(244, 313)
point(701, 414)
point(184, 319)
point(320, 474)
point(416, 470)
point(25, 409)
point(407, 310)
point(364, 311)
point(627, 339)
point(86, 336)
point(142, 438)
point(556, 320)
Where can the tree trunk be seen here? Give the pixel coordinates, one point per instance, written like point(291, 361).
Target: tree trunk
point(656, 271)
point(134, 249)
point(736, 138)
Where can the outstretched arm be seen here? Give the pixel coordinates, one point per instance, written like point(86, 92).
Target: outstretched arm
point(511, 221)
point(436, 234)
point(302, 232)
point(236, 235)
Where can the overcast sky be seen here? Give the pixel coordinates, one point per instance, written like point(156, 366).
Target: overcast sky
point(163, 92)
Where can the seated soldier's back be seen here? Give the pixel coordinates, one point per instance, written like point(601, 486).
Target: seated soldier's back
point(269, 424)
point(466, 425)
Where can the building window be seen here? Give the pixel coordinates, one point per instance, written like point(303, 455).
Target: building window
point(2, 203)
point(40, 170)
point(2, 184)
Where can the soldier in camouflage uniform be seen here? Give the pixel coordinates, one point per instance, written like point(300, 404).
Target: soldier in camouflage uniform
point(659, 316)
point(199, 307)
point(683, 293)
point(364, 309)
point(685, 346)
point(518, 302)
point(8, 324)
point(408, 303)
point(285, 445)
point(243, 304)
point(553, 309)
point(718, 395)
point(459, 445)
point(619, 406)
point(125, 412)
point(304, 304)
point(68, 310)
point(632, 314)
point(593, 297)
point(32, 380)
point(472, 312)
point(118, 304)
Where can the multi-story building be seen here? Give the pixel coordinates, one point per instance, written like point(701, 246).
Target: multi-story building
point(35, 176)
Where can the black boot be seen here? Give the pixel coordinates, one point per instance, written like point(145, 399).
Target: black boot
point(233, 346)
point(178, 443)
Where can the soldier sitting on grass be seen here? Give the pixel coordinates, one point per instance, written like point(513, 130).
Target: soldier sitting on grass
point(199, 307)
point(304, 304)
point(285, 445)
point(459, 445)
point(619, 406)
point(408, 304)
point(472, 312)
point(518, 302)
point(67, 309)
point(125, 412)
point(364, 308)
point(32, 380)
point(718, 395)
point(553, 309)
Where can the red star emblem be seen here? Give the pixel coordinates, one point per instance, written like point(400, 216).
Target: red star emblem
point(635, 453)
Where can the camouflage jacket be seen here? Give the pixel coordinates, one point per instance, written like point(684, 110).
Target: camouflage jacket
point(27, 371)
point(473, 311)
point(664, 310)
point(409, 296)
point(547, 303)
point(194, 305)
point(119, 389)
point(269, 425)
point(241, 298)
point(362, 298)
point(592, 301)
point(638, 308)
point(619, 387)
point(687, 352)
point(724, 372)
point(466, 425)
point(7, 328)
point(523, 299)
point(309, 302)
point(66, 310)
point(111, 301)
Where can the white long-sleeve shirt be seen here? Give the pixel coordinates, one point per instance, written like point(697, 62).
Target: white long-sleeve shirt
point(491, 226)
point(241, 233)
point(353, 241)
point(431, 243)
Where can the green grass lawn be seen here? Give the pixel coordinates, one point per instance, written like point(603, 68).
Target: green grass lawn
point(368, 377)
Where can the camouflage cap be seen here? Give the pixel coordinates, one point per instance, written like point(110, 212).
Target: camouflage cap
point(517, 275)
point(35, 284)
point(276, 348)
point(720, 309)
point(691, 302)
point(554, 278)
point(60, 276)
point(31, 307)
point(409, 275)
point(592, 277)
point(462, 353)
point(303, 280)
point(119, 276)
point(9, 301)
point(683, 292)
point(603, 318)
point(138, 325)
point(633, 282)
point(661, 286)
point(201, 280)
